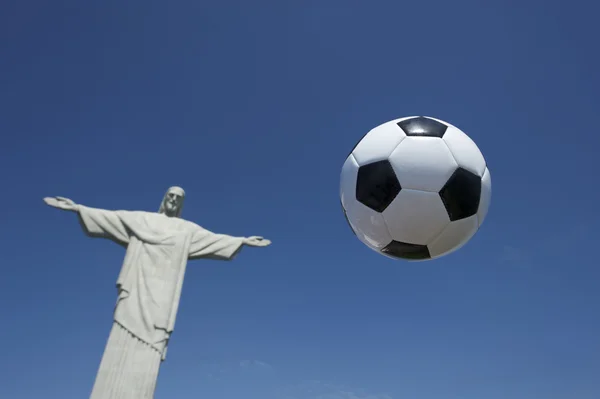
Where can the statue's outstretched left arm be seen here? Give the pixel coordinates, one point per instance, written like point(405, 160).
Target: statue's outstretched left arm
point(208, 245)
point(256, 241)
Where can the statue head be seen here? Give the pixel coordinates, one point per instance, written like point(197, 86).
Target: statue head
point(172, 203)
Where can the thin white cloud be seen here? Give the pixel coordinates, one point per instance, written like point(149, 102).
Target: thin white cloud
point(260, 380)
point(325, 390)
point(254, 363)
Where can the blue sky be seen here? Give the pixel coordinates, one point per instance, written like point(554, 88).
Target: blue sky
point(252, 108)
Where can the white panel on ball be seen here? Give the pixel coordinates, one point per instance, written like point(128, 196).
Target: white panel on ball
point(416, 217)
point(369, 226)
point(348, 182)
point(486, 196)
point(454, 236)
point(423, 163)
point(378, 144)
point(465, 151)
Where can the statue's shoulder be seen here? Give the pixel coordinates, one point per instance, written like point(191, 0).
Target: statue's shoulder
point(137, 214)
point(143, 217)
point(192, 225)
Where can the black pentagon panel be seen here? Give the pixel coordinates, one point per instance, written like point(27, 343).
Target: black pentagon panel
point(402, 250)
point(347, 220)
point(422, 126)
point(461, 194)
point(377, 185)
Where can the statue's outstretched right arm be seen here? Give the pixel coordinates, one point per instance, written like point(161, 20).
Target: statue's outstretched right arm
point(95, 222)
point(62, 203)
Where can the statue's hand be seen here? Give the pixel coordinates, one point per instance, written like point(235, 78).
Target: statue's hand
point(62, 203)
point(256, 241)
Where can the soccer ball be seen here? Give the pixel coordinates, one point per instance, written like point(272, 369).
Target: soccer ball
point(415, 188)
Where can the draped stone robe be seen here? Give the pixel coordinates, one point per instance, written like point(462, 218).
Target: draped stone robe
point(149, 288)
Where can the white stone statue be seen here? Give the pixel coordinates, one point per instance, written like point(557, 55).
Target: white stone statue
point(149, 285)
